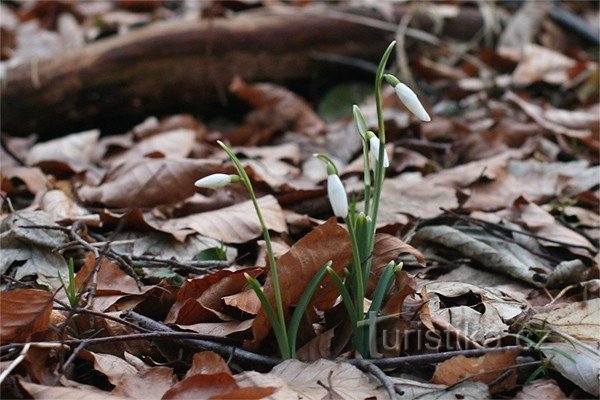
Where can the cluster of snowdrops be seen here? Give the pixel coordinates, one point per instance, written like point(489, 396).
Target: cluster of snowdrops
point(361, 228)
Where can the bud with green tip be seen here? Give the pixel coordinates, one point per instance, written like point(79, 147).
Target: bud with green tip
point(360, 122)
point(215, 181)
point(408, 98)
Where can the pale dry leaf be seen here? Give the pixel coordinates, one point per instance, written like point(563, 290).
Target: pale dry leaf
point(541, 389)
point(59, 392)
point(63, 209)
point(345, 379)
point(503, 262)
point(234, 224)
point(33, 248)
point(582, 366)
point(76, 150)
point(539, 63)
point(115, 368)
point(177, 143)
point(151, 383)
point(165, 246)
point(538, 115)
point(413, 195)
point(543, 224)
point(33, 178)
point(148, 182)
point(413, 389)
point(580, 320)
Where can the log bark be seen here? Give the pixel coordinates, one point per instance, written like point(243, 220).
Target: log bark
point(175, 67)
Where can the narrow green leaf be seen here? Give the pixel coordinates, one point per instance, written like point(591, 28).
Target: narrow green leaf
point(277, 329)
point(382, 287)
point(301, 307)
point(346, 299)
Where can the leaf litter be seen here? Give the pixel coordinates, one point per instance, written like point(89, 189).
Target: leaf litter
point(492, 207)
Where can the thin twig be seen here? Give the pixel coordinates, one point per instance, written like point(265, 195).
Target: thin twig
point(368, 366)
point(15, 362)
point(65, 307)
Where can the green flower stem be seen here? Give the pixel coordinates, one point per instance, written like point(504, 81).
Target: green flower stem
point(379, 169)
point(267, 237)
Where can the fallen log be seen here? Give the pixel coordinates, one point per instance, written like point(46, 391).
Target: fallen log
point(175, 67)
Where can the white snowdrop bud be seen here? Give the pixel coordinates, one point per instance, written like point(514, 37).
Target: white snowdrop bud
point(215, 181)
point(337, 196)
point(374, 151)
point(411, 101)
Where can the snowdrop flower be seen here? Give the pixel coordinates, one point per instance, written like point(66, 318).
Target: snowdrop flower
point(408, 98)
point(337, 196)
point(374, 150)
point(215, 181)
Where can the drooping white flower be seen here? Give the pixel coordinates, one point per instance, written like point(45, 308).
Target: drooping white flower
point(215, 181)
point(411, 101)
point(374, 151)
point(337, 196)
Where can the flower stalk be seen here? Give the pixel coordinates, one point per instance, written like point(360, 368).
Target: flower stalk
point(362, 225)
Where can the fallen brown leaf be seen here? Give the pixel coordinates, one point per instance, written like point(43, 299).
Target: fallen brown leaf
point(329, 241)
point(23, 312)
point(207, 363)
point(200, 300)
point(72, 153)
point(541, 389)
point(278, 108)
point(580, 320)
point(454, 370)
point(200, 387)
point(235, 224)
point(58, 392)
point(151, 383)
point(148, 182)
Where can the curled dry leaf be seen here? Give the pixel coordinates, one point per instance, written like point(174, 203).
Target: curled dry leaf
point(207, 363)
point(234, 224)
point(73, 152)
point(542, 64)
point(388, 248)
point(296, 268)
point(112, 284)
point(454, 370)
point(201, 300)
point(502, 262)
point(200, 387)
point(580, 320)
point(579, 364)
point(148, 182)
point(543, 224)
point(33, 178)
point(23, 312)
point(63, 209)
point(279, 108)
point(177, 143)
